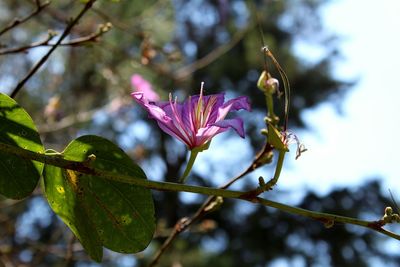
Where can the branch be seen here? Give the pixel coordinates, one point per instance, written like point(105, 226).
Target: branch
point(103, 28)
point(14, 50)
point(16, 21)
point(80, 117)
point(85, 168)
point(131, 27)
point(67, 30)
point(185, 71)
point(204, 209)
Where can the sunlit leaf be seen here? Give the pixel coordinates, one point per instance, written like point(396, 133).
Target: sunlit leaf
point(18, 177)
point(101, 212)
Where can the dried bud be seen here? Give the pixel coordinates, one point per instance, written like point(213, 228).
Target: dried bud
point(52, 111)
point(52, 33)
point(388, 211)
point(216, 204)
point(264, 132)
point(329, 224)
point(103, 28)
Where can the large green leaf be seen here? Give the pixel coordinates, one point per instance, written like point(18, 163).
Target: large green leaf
point(101, 212)
point(18, 177)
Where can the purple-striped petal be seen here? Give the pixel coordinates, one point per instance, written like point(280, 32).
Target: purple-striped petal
point(241, 102)
point(233, 104)
point(163, 118)
point(205, 134)
point(235, 123)
point(154, 111)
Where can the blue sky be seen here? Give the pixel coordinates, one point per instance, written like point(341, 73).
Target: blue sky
point(346, 149)
point(359, 144)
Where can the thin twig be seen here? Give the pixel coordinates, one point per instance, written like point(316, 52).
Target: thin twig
point(68, 121)
point(22, 49)
point(132, 26)
point(185, 71)
point(16, 21)
point(46, 42)
point(67, 30)
point(69, 254)
point(80, 117)
point(182, 225)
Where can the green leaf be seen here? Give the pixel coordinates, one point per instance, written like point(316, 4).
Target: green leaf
point(18, 177)
point(275, 138)
point(101, 212)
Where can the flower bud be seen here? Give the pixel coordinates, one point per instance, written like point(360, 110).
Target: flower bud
point(267, 84)
point(329, 223)
point(261, 81)
point(272, 85)
point(388, 211)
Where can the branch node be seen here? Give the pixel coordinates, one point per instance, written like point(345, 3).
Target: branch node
point(216, 204)
point(89, 160)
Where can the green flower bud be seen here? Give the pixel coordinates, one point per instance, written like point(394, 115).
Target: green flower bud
point(267, 84)
point(261, 81)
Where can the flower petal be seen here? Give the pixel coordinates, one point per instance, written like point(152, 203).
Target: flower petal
point(241, 102)
point(142, 85)
point(154, 111)
point(214, 102)
point(205, 134)
point(163, 114)
point(235, 123)
point(238, 103)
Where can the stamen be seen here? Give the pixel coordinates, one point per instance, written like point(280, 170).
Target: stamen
point(199, 110)
point(201, 88)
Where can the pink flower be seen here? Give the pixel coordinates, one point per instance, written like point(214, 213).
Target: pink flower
point(139, 84)
point(198, 119)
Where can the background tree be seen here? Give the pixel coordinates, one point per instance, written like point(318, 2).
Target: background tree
point(85, 86)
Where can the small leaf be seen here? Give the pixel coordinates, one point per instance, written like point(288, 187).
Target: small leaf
point(18, 177)
point(101, 212)
point(275, 138)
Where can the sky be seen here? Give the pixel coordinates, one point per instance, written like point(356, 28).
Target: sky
point(360, 143)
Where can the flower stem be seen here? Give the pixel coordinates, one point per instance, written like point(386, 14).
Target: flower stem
point(192, 158)
point(82, 167)
point(279, 165)
point(270, 106)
